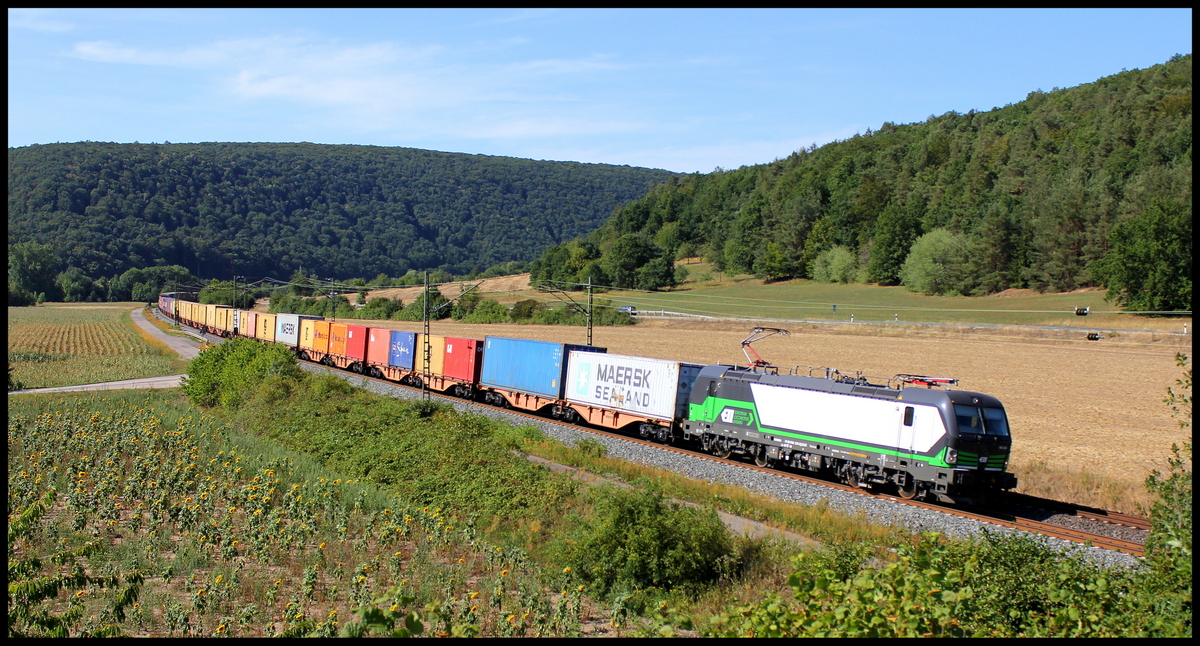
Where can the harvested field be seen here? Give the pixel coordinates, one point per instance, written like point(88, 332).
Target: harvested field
point(1075, 405)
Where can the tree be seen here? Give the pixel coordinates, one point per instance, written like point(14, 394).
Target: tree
point(1149, 265)
point(78, 287)
point(34, 268)
point(836, 265)
point(656, 274)
point(936, 264)
point(895, 231)
point(626, 256)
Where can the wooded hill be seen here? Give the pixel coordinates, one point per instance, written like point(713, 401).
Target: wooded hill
point(1090, 185)
point(268, 209)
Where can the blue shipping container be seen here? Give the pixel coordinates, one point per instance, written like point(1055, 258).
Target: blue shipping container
point(535, 367)
point(400, 352)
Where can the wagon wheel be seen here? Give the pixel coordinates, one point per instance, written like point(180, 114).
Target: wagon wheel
point(663, 435)
point(570, 416)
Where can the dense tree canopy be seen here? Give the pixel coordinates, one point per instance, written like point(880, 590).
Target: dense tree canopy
point(1037, 192)
point(267, 210)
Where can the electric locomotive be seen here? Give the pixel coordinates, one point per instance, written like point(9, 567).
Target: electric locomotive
point(952, 445)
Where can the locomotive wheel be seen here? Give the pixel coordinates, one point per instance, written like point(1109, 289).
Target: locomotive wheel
point(762, 460)
point(909, 489)
point(721, 449)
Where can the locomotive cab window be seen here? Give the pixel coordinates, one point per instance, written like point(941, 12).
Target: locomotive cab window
point(981, 421)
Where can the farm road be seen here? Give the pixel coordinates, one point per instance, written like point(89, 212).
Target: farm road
point(187, 348)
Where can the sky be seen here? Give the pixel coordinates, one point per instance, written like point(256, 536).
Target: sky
point(680, 89)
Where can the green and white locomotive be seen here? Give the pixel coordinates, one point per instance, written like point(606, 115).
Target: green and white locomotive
point(952, 445)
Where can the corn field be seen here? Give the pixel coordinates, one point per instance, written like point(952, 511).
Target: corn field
point(67, 346)
point(126, 520)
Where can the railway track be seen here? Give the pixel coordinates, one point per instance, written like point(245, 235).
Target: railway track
point(1064, 521)
point(1035, 515)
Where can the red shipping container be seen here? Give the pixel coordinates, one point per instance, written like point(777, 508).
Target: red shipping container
point(337, 339)
point(356, 342)
point(378, 345)
point(463, 359)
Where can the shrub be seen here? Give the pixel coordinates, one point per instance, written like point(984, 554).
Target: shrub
point(231, 372)
point(639, 540)
point(937, 264)
point(836, 265)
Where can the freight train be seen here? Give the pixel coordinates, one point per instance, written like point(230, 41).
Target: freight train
point(929, 443)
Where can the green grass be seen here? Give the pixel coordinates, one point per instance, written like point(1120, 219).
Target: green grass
point(709, 293)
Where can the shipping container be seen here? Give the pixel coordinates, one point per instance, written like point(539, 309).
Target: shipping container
point(337, 339)
point(251, 324)
point(308, 335)
point(321, 335)
point(402, 349)
point(379, 342)
point(356, 342)
point(524, 365)
point(207, 314)
point(223, 318)
point(463, 359)
point(437, 354)
point(287, 327)
point(638, 385)
point(264, 327)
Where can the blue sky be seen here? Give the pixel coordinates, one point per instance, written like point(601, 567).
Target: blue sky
point(684, 90)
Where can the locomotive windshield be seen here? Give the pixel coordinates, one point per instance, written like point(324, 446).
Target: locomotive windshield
point(981, 421)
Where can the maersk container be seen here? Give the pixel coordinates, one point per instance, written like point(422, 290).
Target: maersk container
point(638, 385)
point(402, 349)
point(287, 327)
point(463, 359)
point(524, 365)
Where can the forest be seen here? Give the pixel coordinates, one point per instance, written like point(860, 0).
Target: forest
point(270, 209)
point(1070, 188)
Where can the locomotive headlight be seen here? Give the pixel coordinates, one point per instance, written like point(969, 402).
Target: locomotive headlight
point(951, 456)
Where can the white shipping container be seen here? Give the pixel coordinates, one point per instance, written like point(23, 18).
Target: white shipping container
point(652, 387)
point(287, 328)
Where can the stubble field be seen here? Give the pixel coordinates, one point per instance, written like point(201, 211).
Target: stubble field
point(1088, 418)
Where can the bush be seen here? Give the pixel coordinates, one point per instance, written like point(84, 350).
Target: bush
point(640, 540)
point(487, 311)
point(937, 264)
point(836, 265)
point(231, 372)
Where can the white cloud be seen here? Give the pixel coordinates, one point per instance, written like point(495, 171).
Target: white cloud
point(37, 20)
